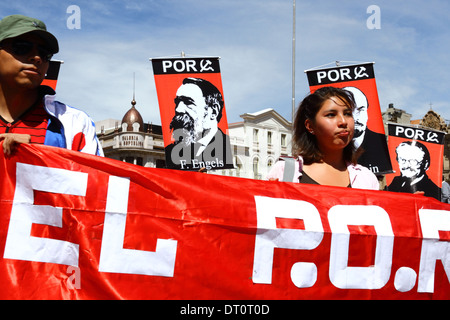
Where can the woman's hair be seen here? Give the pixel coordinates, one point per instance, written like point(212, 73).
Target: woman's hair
point(303, 142)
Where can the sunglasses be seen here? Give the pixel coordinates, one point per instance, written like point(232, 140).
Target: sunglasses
point(24, 47)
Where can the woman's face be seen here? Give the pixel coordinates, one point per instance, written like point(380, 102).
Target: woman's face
point(333, 125)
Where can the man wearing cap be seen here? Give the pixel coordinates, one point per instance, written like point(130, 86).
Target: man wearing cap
point(29, 112)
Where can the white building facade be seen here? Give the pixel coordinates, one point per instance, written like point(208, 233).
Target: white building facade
point(131, 140)
point(257, 142)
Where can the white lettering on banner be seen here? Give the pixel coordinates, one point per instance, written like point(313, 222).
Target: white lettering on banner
point(113, 257)
point(416, 134)
point(343, 74)
point(303, 275)
point(432, 222)
point(334, 75)
point(412, 134)
point(341, 275)
point(268, 238)
point(20, 245)
point(213, 156)
point(187, 66)
point(179, 65)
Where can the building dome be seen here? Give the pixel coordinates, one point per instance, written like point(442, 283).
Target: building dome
point(132, 117)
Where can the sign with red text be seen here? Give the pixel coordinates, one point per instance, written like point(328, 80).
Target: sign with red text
point(76, 226)
point(369, 129)
point(193, 114)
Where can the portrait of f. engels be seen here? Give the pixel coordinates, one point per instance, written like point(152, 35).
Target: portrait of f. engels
point(198, 140)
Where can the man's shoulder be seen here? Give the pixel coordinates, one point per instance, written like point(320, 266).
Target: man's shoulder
point(397, 180)
point(61, 110)
point(427, 181)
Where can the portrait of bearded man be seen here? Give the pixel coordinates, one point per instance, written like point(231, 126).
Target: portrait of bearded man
point(198, 140)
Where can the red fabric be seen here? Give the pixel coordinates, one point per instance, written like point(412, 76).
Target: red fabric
point(34, 122)
point(214, 224)
point(79, 141)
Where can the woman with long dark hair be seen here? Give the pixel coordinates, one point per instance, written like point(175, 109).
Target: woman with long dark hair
point(322, 143)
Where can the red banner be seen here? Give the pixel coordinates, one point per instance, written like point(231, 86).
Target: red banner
point(369, 128)
point(75, 226)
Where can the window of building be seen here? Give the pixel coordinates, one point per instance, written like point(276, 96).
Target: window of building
point(129, 159)
point(138, 160)
point(255, 135)
point(283, 140)
point(256, 168)
point(269, 137)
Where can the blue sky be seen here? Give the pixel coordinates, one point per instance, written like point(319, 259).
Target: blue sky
point(254, 40)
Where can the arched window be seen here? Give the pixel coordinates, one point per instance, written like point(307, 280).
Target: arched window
point(256, 174)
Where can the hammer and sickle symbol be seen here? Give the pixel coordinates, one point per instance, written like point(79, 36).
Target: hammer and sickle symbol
point(360, 74)
point(206, 66)
point(433, 137)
